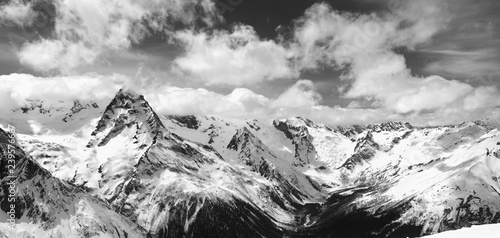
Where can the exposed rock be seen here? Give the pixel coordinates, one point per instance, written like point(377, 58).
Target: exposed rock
point(187, 121)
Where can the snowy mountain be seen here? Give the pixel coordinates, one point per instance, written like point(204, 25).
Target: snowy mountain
point(45, 206)
point(201, 176)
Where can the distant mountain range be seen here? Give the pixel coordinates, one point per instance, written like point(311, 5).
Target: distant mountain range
point(121, 170)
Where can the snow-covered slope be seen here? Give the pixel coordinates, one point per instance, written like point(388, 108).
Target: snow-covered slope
point(148, 173)
point(255, 147)
point(203, 176)
point(39, 117)
point(483, 231)
point(435, 178)
point(44, 206)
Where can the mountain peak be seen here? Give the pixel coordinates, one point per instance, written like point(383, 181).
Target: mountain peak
point(125, 92)
point(242, 137)
point(126, 110)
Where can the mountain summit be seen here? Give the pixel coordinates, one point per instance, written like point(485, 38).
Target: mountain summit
point(127, 110)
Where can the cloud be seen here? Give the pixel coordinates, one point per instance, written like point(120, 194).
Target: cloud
point(236, 58)
point(464, 63)
point(247, 99)
point(348, 40)
point(50, 55)
point(86, 30)
point(428, 93)
point(240, 103)
point(243, 103)
point(324, 36)
point(185, 101)
point(364, 46)
point(15, 89)
point(302, 94)
point(468, 47)
point(483, 97)
point(16, 13)
point(300, 99)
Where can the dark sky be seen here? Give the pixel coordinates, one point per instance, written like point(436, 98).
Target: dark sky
point(266, 16)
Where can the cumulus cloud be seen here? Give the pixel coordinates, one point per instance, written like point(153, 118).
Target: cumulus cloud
point(300, 99)
point(86, 30)
point(364, 46)
point(483, 97)
point(241, 103)
point(247, 99)
point(302, 94)
point(237, 58)
point(15, 89)
point(49, 55)
point(189, 101)
point(17, 13)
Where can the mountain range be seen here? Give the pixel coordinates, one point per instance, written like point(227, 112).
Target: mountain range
point(86, 169)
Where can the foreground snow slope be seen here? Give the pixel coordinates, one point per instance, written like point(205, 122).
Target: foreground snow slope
point(483, 231)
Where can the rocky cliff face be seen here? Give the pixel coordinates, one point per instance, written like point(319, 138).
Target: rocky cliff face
point(364, 151)
point(127, 110)
point(296, 130)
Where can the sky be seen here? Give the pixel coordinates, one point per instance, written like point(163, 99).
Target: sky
point(338, 61)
